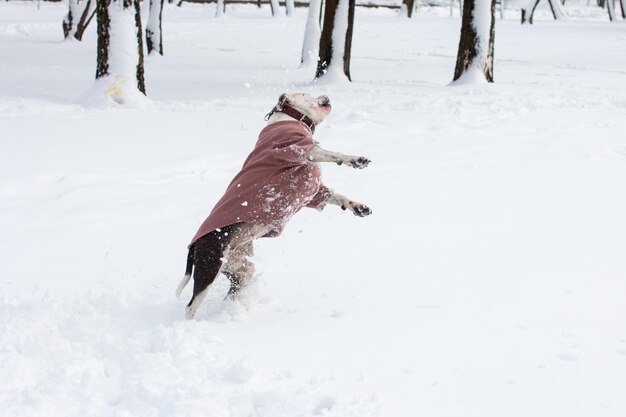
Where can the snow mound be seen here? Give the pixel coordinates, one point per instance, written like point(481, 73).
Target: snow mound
point(111, 355)
point(118, 91)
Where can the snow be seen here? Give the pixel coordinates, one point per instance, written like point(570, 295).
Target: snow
point(489, 280)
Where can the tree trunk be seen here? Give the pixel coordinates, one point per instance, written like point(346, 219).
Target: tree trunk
point(289, 6)
point(70, 17)
point(77, 18)
point(89, 12)
point(610, 7)
point(555, 8)
point(275, 7)
point(410, 6)
point(622, 5)
point(529, 16)
point(336, 39)
point(120, 57)
point(154, 36)
point(312, 31)
point(141, 83)
point(477, 39)
point(220, 8)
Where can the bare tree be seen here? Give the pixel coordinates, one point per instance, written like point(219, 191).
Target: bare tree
point(78, 17)
point(555, 8)
point(336, 38)
point(120, 57)
point(154, 35)
point(477, 39)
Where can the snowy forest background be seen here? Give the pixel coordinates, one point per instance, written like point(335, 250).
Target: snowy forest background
point(489, 280)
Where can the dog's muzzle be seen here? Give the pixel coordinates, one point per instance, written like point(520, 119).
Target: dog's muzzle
point(323, 101)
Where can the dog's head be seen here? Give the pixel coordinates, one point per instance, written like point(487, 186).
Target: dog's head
point(317, 108)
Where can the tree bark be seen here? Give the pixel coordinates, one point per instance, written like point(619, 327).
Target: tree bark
point(141, 83)
point(336, 38)
point(476, 43)
point(154, 36)
point(104, 38)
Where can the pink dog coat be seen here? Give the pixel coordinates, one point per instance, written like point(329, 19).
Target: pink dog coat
point(275, 182)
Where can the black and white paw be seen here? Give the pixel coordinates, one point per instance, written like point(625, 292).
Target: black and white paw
point(359, 210)
point(357, 162)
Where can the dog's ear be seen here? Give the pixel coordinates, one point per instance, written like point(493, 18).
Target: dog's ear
point(284, 98)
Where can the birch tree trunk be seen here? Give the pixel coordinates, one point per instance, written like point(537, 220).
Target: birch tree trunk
point(477, 38)
point(120, 47)
point(312, 32)
point(154, 36)
point(336, 40)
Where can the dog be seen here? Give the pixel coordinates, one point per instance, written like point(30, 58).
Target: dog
point(280, 176)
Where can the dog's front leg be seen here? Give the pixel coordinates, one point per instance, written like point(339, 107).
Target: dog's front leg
point(318, 154)
point(359, 209)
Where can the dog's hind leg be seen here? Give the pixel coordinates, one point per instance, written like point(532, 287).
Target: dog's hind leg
point(187, 276)
point(208, 252)
point(238, 268)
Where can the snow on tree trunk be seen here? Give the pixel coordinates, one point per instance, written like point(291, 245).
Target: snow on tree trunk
point(154, 36)
point(78, 18)
point(336, 41)
point(290, 6)
point(312, 32)
point(119, 71)
point(474, 61)
point(219, 10)
point(610, 7)
point(275, 7)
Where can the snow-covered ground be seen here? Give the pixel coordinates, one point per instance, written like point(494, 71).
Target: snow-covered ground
point(490, 280)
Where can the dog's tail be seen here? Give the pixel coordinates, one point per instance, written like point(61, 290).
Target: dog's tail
point(187, 276)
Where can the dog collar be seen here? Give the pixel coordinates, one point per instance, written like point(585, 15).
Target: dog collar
point(292, 112)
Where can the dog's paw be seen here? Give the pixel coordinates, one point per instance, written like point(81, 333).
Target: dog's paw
point(358, 209)
point(358, 162)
